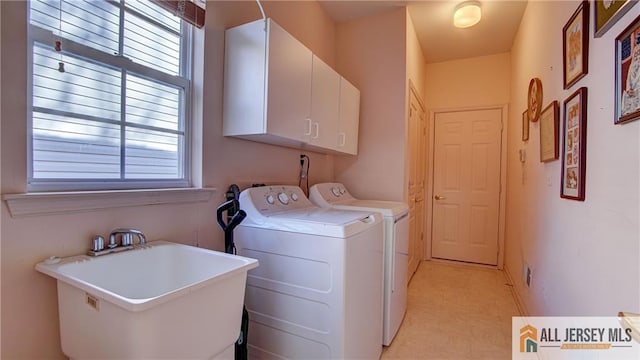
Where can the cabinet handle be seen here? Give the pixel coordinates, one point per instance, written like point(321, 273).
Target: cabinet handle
point(317, 127)
point(308, 131)
point(343, 139)
point(438, 197)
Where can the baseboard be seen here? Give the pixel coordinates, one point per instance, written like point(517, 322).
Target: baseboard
point(516, 296)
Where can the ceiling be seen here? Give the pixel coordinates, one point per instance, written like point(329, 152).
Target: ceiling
point(432, 19)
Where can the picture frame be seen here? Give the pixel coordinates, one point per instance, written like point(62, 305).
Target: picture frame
point(607, 13)
point(575, 46)
point(574, 149)
point(525, 125)
point(549, 125)
point(627, 74)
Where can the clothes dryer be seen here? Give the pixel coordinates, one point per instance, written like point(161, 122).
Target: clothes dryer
point(396, 248)
point(318, 290)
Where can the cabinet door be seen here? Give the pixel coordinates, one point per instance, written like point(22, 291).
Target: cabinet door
point(288, 85)
point(325, 101)
point(349, 118)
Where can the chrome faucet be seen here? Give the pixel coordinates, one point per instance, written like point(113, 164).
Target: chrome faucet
point(126, 237)
point(126, 242)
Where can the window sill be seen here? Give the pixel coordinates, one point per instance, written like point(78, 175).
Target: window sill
point(34, 204)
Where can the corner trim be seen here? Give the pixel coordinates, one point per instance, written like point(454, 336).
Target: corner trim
point(516, 295)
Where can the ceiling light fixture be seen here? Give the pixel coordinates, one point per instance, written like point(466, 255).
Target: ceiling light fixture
point(467, 14)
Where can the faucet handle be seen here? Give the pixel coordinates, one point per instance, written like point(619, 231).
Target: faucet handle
point(112, 240)
point(126, 239)
point(97, 243)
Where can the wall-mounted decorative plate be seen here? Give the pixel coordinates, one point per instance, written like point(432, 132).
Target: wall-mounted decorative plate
point(534, 99)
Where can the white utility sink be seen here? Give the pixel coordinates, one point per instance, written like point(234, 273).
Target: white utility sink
point(161, 300)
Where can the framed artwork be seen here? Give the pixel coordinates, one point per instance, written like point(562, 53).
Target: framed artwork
point(607, 13)
point(549, 124)
point(628, 74)
point(574, 150)
point(534, 99)
point(575, 46)
point(525, 125)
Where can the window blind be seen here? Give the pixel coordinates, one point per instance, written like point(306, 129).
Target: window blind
point(185, 9)
point(114, 114)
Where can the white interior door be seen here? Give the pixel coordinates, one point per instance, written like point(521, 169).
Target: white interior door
point(466, 185)
point(416, 193)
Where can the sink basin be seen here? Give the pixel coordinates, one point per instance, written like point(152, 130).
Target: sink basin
point(161, 300)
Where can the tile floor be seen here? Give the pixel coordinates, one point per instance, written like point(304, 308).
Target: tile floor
point(455, 311)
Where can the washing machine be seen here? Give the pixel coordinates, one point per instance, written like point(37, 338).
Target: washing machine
point(318, 293)
point(396, 248)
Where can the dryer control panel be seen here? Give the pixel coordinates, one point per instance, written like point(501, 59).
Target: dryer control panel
point(273, 199)
point(330, 193)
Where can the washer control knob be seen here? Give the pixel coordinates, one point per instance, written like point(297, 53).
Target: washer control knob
point(335, 191)
point(283, 198)
point(294, 196)
point(270, 199)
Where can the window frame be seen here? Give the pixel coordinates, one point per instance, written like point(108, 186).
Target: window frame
point(36, 34)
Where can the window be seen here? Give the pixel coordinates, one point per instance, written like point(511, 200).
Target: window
point(110, 109)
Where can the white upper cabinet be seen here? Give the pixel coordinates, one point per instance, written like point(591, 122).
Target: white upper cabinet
point(288, 84)
point(349, 118)
point(276, 91)
point(325, 106)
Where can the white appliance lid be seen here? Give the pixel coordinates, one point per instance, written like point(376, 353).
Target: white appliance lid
point(386, 208)
point(323, 216)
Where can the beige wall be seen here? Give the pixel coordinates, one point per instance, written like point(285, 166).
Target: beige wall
point(371, 53)
point(29, 305)
point(472, 82)
point(416, 65)
point(585, 255)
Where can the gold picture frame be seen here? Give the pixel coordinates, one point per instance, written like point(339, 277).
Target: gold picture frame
point(549, 124)
point(607, 13)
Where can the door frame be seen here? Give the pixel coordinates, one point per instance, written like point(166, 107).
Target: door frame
point(503, 176)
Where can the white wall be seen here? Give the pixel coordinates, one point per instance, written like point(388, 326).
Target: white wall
point(29, 305)
point(585, 256)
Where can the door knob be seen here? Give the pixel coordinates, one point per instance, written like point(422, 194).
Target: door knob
point(438, 197)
